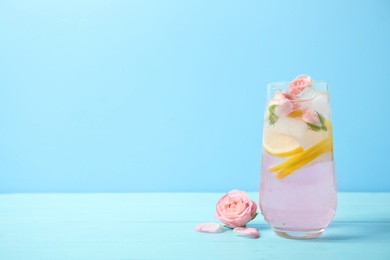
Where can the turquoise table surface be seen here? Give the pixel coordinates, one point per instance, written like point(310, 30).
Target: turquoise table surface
point(162, 226)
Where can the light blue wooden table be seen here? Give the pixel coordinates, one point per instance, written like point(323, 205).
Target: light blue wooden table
point(162, 226)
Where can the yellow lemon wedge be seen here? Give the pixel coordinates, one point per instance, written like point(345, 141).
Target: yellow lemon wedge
point(296, 113)
point(310, 154)
point(329, 127)
point(280, 145)
point(287, 167)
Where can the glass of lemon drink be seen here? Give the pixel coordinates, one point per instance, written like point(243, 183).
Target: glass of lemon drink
point(298, 195)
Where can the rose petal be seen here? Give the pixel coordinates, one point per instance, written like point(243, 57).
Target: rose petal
point(311, 116)
point(210, 227)
point(247, 232)
point(285, 106)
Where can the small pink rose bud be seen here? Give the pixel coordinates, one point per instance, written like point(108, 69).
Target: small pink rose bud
point(310, 116)
point(299, 83)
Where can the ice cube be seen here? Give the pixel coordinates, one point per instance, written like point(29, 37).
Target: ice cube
point(307, 93)
point(311, 137)
point(290, 126)
point(321, 104)
point(306, 96)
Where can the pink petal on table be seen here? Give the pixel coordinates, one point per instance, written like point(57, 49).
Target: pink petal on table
point(210, 227)
point(247, 232)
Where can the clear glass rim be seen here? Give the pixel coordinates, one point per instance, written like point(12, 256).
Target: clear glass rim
point(320, 85)
point(284, 83)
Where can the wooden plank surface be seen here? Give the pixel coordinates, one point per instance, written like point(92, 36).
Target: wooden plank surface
point(162, 226)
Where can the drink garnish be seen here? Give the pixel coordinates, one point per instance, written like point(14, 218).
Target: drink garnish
point(280, 145)
point(287, 167)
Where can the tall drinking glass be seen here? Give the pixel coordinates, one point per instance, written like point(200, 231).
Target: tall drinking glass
point(298, 195)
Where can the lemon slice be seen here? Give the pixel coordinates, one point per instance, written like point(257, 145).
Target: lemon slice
point(300, 160)
point(280, 145)
point(322, 147)
point(329, 126)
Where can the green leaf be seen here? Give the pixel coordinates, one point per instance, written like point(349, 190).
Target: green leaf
point(272, 117)
point(272, 120)
point(314, 127)
point(254, 216)
point(272, 108)
point(322, 118)
point(317, 128)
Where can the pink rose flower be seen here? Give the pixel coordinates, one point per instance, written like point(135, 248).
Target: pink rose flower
point(235, 209)
point(286, 103)
point(310, 116)
point(299, 83)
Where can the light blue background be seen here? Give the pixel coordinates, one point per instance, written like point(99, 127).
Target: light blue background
point(117, 96)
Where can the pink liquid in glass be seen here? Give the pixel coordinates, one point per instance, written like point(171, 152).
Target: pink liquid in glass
point(303, 201)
